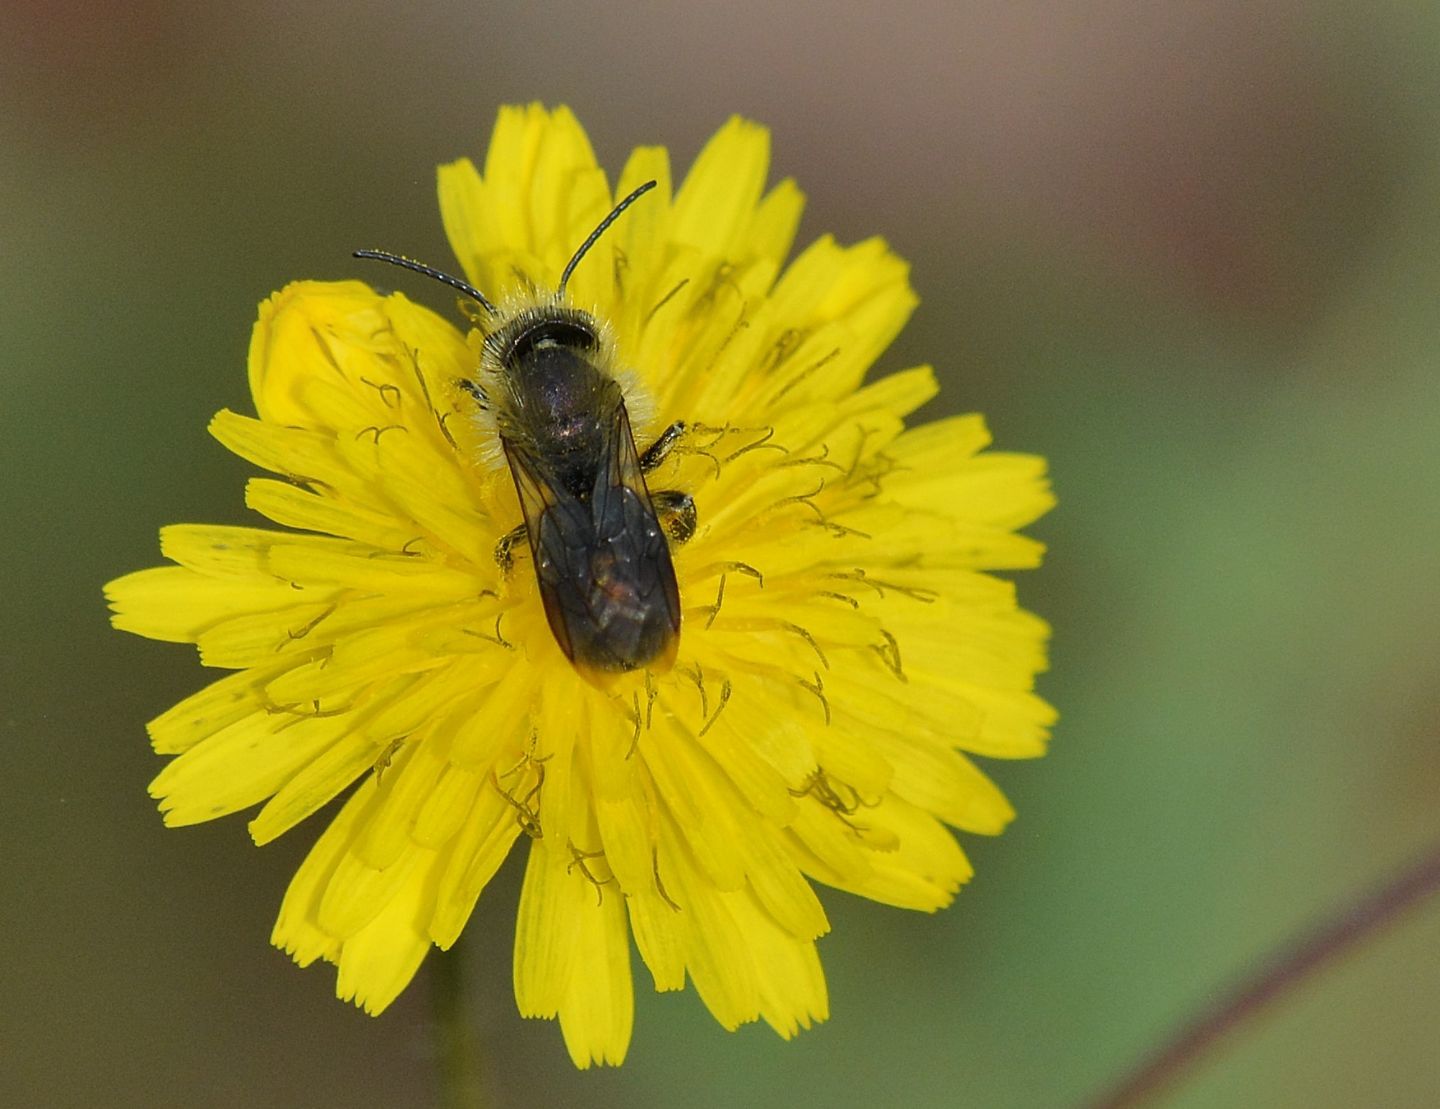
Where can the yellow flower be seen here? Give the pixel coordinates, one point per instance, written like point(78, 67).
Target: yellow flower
point(843, 648)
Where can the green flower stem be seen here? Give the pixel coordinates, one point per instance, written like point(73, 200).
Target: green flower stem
point(1331, 941)
point(457, 1050)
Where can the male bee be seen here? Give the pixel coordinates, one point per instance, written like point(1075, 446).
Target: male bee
point(600, 552)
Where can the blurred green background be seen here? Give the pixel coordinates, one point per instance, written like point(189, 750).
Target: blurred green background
point(1191, 252)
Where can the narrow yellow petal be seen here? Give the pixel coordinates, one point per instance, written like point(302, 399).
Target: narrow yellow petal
point(932, 448)
point(471, 220)
point(356, 893)
point(546, 930)
point(641, 240)
point(203, 714)
point(497, 721)
point(997, 489)
point(401, 788)
point(442, 501)
point(762, 786)
point(178, 605)
point(627, 832)
point(827, 847)
point(788, 977)
point(580, 205)
point(945, 783)
point(557, 724)
point(296, 929)
point(718, 955)
point(362, 657)
point(240, 765)
point(294, 507)
point(509, 166)
point(451, 803)
point(475, 855)
point(776, 220)
point(780, 740)
point(850, 755)
point(380, 960)
point(660, 938)
point(260, 638)
point(351, 755)
point(778, 885)
point(716, 203)
point(361, 567)
point(701, 802)
point(924, 870)
point(1012, 723)
point(531, 168)
point(598, 1009)
point(900, 393)
point(220, 551)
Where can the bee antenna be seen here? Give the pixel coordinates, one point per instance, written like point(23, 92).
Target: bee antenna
point(429, 271)
point(594, 235)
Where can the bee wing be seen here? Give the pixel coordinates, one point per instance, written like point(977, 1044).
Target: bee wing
point(555, 525)
point(602, 563)
point(624, 517)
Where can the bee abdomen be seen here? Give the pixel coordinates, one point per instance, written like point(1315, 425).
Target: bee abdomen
point(609, 584)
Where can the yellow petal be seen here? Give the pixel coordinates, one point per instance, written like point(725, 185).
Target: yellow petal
point(321, 779)
point(471, 220)
point(790, 982)
point(294, 507)
point(179, 605)
point(546, 930)
point(700, 801)
point(356, 893)
point(305, 334)
point(716, 204)
point(296, 929)
point(240, 765)
point(945, 783)
point(717, 953)
point(660, 938)
point(476, 853)
point(453, 800)
point(380, 960)
point(203, 714)
point(776, 220)
point(597, 1011)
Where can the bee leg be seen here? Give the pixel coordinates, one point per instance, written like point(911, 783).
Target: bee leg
point(505, 547)
point(676, 512)
point(656, 452)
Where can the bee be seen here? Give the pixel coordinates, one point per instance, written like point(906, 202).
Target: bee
point(600, 551)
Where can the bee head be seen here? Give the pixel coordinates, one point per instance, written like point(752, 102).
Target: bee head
point(541, 328)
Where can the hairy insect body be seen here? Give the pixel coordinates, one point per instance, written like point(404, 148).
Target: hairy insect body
point(601, 557)
point(546, 382)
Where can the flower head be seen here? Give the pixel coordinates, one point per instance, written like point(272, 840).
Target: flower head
point(842, 648)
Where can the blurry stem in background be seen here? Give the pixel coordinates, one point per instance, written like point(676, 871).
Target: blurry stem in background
point(1282, 974)
point(457, 1052)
